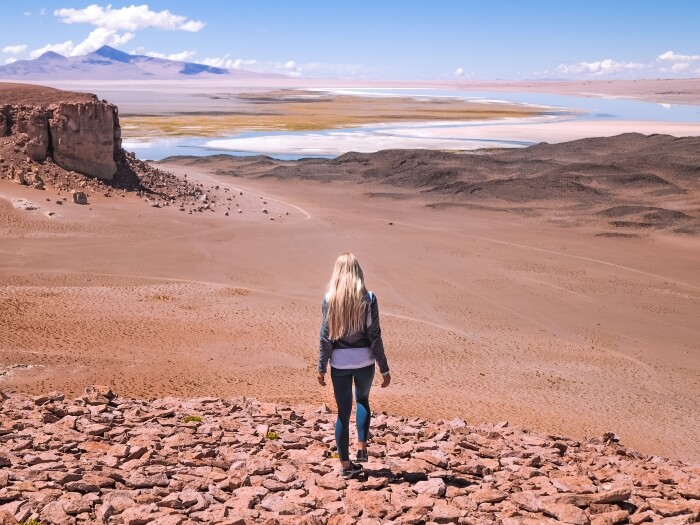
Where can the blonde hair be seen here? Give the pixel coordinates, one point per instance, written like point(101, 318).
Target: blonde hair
point(346, 298)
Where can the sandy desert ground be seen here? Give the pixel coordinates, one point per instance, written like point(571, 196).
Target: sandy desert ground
point(491, 311)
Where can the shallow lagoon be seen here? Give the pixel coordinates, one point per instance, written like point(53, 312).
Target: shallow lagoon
point(433, 135)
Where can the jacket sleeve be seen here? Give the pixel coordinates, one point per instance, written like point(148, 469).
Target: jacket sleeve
point(325, 347)
point(374, 333)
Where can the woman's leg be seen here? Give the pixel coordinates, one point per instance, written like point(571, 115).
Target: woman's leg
point(342, 388)
point(363, 384)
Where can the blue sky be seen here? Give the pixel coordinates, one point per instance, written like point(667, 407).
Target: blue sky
point(390, 39)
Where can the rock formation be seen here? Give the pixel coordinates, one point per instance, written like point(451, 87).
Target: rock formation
point(106, 459)
point(86, 137)
point(78, 132)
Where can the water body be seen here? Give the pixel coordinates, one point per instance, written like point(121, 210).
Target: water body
point(290, 145)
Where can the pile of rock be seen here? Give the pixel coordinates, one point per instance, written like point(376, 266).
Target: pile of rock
point(106, 459)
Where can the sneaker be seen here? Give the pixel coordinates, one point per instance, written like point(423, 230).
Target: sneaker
point(361, 455)
point(349, 472)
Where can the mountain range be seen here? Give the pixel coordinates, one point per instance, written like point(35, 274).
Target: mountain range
point(108, 63)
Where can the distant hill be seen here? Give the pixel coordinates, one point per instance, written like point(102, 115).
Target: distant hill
point(108, 63)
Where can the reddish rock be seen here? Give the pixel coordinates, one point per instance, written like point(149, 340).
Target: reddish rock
point(668, 508)
point(566, 513)
point(432, 487)
point(488, 495)
point(614, 495)
point(576, 484)
point(86, 137)
point(610, 518)
point(445, 514)
point(6, 518)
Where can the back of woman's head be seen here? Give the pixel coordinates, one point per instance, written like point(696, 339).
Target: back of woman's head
point(346, 298)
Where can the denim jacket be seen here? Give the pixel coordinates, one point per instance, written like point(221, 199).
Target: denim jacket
point(369, 337)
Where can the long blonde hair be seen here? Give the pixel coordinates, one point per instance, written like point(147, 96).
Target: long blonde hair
point(346, 298)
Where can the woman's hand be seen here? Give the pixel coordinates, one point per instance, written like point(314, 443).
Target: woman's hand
point(386, 380)
point(322, 379)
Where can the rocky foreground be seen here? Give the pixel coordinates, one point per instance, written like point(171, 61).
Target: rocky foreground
point(106, 459)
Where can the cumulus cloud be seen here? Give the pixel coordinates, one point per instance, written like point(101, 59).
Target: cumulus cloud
point(96, 39)
point(100, 37)
point(670, 56)
point(10, 60)
point(14, 50)
point(182, 56)
point(600, 67)
point(63, 48)
point(459, 72)
point(680, 66)
point(116, 27)
point(131, 18)
point(228, 63)
point(290, 68)
point(665, 64)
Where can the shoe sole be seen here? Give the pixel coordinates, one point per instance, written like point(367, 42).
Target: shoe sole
point(352, 474)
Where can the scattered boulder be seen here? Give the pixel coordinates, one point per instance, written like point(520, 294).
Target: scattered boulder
point(79, 197)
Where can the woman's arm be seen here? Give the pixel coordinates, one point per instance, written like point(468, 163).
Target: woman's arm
point(374, 332)
point(325, 347)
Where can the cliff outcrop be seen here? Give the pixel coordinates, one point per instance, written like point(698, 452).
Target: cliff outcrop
point(102, 458)
point(78, 131)
point(71, 142)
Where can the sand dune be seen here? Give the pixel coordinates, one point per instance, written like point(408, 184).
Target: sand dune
point(493, 309)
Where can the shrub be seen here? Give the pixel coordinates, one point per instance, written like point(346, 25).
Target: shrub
point(272, 435)
point(192, 419)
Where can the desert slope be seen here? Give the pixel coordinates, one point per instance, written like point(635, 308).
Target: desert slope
point(492, 308)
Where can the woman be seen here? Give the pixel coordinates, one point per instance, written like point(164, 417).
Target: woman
point(351, 340)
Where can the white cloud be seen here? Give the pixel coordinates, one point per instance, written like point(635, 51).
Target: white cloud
point(10, 60)
point(63, 48)
point(289, 68)
point(96, 39)
point(116, 27)
point(240, 63)
point(182, 56)
point(228, 63)
point(27, 13)
point(670, 56)
point(600, 67)
point(100, 37)
point(459, 72)
point(14, 50)
point(192, 26)
point(42, 11)
point(131, 18)
point(680, 66)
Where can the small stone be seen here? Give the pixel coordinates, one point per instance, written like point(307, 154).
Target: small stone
point(432, 486)
point(79, 197)
point(668, 508)
point(6, 518)
point(566, 513)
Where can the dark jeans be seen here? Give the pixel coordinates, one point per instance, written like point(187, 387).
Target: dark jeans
point(342, 388)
